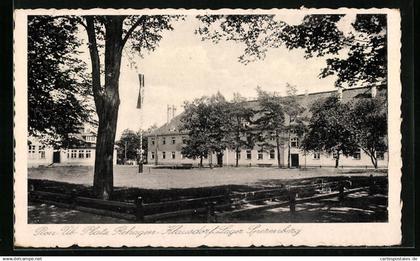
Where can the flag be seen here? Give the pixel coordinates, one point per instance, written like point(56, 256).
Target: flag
point(141, 91)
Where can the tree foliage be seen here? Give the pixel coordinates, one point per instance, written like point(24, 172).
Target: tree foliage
point(369, 121)
point(129, 145)
point(59, 97)
point(240, 120)
point(269, 121)
point(107, 36)
point(330, 129)
point(295, 120)
point(358, 57)
point(205, 121)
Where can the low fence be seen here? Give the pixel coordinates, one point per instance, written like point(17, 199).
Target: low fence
point(209, 208)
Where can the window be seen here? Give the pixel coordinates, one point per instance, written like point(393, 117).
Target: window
point(88, 154)
point(260, 155)
point(173, 140)
point(152, 155)
point(81, 154)
point(152, 140)
point(272, 135)
point(294, 142)
point(41, 151)
point(31, 151)
point(380, 155)
point(163, 155)
point(248, 154)
point(317, 155)
point(272, 154)
point(249, 140)
point(173, 155)
point(356, 155)
point(90, 138)
point(73, 154)
point(163, 140)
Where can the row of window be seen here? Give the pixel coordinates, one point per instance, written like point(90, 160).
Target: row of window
point(380, 155)
point(173, 155)
point(172, 139)
point(248, 155)
point(272, 155)
point(294, 142)
point(71, 154)
point(91, 138)
point(33, 153)
point(79, 154)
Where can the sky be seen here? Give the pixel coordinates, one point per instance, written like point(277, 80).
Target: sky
point(183, 68)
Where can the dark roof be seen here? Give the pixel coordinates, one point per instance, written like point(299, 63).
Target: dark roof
point(172, 127)
point(306, 100)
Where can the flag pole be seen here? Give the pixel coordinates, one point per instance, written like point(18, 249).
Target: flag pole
point(139, 106)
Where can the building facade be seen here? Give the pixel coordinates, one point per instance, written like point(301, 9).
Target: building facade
point(165, 144)
point(41, 155)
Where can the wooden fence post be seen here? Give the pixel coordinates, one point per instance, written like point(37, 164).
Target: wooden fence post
point(292, 201)
point(139, 209)
point(73, 196)
point(228, 200)
point(371, 185)
point(210, 212)
point(341, 190)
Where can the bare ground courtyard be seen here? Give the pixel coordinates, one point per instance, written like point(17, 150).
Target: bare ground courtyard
point(152, 178)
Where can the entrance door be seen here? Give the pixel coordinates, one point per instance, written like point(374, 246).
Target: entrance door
point(220, 160)
point(295, 160)
point(56, 157)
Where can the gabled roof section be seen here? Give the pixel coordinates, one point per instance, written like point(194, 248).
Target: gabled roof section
point(172, 127)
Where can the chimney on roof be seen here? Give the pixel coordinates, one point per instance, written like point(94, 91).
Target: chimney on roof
point(373, 91)
point(340, 93)
point(168, 109)
point(170, 112)
point(173, 111)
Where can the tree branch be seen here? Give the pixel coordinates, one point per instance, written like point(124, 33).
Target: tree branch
point(131, 30)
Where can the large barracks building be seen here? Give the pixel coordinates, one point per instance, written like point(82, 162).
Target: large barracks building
point(165, 143)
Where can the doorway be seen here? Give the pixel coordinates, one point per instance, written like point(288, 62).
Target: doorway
point(295, 160)
point(56, 157)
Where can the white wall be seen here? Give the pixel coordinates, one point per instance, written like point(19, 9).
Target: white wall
point(65, 157)
point(308, 160)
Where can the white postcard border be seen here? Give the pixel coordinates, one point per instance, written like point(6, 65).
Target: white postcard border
point(194, 235)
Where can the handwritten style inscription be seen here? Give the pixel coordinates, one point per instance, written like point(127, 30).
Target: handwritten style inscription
point(174, 230)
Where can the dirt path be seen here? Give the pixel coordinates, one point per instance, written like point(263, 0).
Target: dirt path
point(127, 176)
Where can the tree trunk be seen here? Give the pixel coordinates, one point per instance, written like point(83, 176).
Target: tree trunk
point(288, 151)
point(337, 159)
point(237, 157)
point(237, 149)
point(219, 159)
point(278, 149)
point(374, 160)
point(107, 100)
point(103, 180)
point(201, 161)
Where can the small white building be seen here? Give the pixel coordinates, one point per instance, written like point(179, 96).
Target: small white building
point(41, 155)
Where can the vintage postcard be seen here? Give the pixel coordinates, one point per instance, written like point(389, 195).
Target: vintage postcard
point(220, 128)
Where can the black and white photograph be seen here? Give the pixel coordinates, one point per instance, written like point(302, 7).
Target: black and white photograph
point(224, 123)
